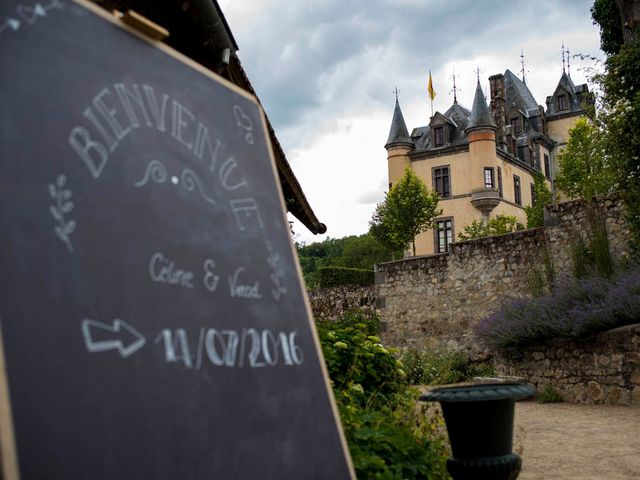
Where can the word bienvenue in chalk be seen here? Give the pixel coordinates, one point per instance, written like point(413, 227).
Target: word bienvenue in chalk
point(249, 347)
point(122, 108)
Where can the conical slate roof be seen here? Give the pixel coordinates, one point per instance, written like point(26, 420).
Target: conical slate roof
point(398, 132)
point(480, 114)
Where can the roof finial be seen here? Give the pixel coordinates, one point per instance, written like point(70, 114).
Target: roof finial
point(524, 79)
point(568, 63)
point(478, 73)
point(396, 91)
point(563, 70)
point(455, 89)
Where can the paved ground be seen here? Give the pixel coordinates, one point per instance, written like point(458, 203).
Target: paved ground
point(562, 441)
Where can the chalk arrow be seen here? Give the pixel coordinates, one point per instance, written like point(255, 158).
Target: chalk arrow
point(13, 23)
point(128, 340)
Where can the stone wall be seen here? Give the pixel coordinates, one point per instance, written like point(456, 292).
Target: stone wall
point(332, 303)
point(434, 300)
point(565, 221)
point(601, 369)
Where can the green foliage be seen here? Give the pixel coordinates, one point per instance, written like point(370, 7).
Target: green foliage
point(408, 209)
point(549, 395)
point(605, 13)
point(388, 436)
point(619, 110)
point(543, 197)
point(584, 169)
point(442, 367)
point(496, 226)
point(336, 276)
point(353, 251)
point(592, 256)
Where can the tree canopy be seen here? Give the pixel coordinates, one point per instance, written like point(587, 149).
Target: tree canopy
point(499, 225)
point(542, 198)
point(409, 208)
point(584, 170)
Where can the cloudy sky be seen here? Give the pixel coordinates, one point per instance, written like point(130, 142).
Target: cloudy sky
point(325, 71)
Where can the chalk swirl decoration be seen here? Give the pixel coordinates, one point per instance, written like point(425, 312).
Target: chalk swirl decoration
point(189, 180)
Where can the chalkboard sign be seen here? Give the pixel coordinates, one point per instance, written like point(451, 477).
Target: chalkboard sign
point(154, 324)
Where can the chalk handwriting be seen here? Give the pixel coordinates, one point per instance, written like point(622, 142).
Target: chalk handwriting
point(248, 347)
point(121, 108)
point(163, 270)
point(176, 346)
point(63, 206)
point(244, 122)
point(120, 336)
point(29, 14)
point(239, 290)
point(249, 210)
point(277, 274)
point(210, 279)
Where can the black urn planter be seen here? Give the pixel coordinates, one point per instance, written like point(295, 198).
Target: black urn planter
point(479, 420)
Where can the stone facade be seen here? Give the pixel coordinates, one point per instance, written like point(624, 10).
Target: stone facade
point(332, 303)
point(604, 368)
point(434, 300)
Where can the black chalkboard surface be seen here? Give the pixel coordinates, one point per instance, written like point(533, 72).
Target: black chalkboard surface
point(153, 319)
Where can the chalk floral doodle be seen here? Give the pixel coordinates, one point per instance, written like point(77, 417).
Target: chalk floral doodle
point(277, 275)
point(61, 209)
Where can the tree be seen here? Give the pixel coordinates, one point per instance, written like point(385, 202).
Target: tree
point(542, 198)
point(409, 208)
point(496, 226)
point(584, 168)
point(619, 22)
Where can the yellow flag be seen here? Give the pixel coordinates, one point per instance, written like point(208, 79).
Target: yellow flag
point(432, 92)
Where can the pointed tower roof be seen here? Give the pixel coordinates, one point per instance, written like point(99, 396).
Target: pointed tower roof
point(480, 114)
point(398, 134)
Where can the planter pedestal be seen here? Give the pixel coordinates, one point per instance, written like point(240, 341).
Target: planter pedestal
point(479, 420)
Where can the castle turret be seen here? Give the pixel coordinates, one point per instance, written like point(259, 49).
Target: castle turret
point(481, 133)
point(398, 146)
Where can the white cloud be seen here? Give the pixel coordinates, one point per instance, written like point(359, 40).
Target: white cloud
point(325, 71)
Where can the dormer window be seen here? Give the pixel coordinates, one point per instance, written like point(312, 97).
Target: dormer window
point(562, 103)
point(438, 136)
point(516, 126)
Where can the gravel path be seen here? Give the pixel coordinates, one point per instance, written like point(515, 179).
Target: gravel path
point(562, 441)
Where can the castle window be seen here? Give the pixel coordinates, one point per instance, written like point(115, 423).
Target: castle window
point(547, 167)
point(441, 182)
point(516, 190)
point(500, 181)
point(444, 234)
point(516, 126)
point(562, 103)
point(438, 136)
point(488, 177)
point(533, 194)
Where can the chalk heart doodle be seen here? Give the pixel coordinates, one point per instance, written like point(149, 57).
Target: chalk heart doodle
point(244, 122)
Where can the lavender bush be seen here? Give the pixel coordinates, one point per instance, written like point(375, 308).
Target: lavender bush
point(577, 309)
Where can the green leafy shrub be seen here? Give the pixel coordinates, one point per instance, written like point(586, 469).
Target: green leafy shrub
point(338, 276)
point(388, 435)
point(441, 367)
point(496, 226)
point(549, 395)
